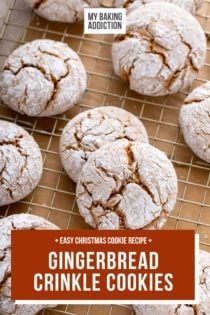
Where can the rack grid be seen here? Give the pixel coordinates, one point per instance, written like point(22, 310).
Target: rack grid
point(54, 198)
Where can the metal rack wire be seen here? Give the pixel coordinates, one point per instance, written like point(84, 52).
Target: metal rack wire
point(54, 198)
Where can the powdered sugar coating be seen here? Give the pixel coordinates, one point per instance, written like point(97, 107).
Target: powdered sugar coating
point(70, 11)
point(91, 129)
point(67, 11)
point(202, 308)
point(42, 78)
point(20, 163)
point(190, 5)
point(18, 222)
point(162, 51)
point(127, 185)
point(195, 121)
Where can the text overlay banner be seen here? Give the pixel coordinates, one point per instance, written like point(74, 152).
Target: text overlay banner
point(103, 265)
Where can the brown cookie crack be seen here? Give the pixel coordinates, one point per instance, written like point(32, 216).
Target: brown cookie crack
point(128, 3)
point(16, 143)
point(133, 165)
point(88, 2)
point(112, 204)
point(154, 48)
point(56, 87)
point(161, 51)
point(188, 64)
point(203, 276)
point(194, 307)
point(48, 76)
point(79, 140)
point(38, 3)
point(197, 100)
point(177, 308)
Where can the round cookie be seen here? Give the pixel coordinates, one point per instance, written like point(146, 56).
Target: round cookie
point(42, 78)
point(190, 5)
point(67, 11)
point(194, 121)
point(127, 185)
point(185, 309)
point(18, 222)
point(90, 130)
point(162, 51)
point(20, 163)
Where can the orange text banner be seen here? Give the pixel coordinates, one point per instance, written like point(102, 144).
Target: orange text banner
point(103, 265)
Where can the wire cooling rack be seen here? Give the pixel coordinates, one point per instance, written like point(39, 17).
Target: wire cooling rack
point(54, 198)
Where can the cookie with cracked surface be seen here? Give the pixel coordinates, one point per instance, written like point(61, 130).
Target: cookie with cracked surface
point(127, 185)
point(67, 11)
point(20, 163)
point(190, 5)
point(91, 129)
point(182, 309)
point(194, 121)
point(162, 51)
point(18, 222)
point(42, 78)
